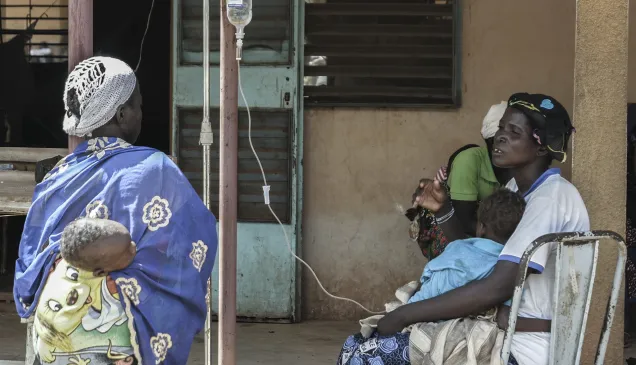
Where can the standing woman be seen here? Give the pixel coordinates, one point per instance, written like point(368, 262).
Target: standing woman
point(149, 312)
point(533, 132)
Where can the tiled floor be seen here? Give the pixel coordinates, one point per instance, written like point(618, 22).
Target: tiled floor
point(309, 343)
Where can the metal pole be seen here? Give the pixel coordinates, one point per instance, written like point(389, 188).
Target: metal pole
point(206, 140)
point(80, 41)
point(228, 176)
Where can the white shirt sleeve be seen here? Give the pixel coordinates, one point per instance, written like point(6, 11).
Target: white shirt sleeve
point(542, 216)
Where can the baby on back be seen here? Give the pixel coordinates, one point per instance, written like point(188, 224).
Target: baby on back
point(80, 298)
point(474, 258)
point(99, 246)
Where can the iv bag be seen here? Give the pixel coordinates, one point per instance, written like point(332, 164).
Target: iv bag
point(239, 13)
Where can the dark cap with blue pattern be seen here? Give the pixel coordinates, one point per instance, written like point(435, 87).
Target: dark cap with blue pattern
point(550, 121)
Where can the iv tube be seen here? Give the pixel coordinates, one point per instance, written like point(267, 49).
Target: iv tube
point(239, 14)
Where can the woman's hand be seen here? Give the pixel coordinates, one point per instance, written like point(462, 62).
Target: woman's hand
point(390, 324)
point(441, 176)
point(420, 189)
point(430, 195)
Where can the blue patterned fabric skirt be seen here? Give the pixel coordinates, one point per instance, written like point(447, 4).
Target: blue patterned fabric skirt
point(380, 350)
point(376, 350)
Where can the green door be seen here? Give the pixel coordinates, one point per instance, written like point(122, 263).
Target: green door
point(267, 273)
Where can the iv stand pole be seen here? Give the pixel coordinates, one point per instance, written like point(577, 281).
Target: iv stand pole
point(228, 161)
point(228, 198)
point(206, 140)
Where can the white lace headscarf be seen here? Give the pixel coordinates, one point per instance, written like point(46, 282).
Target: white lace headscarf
point(102, 85)
point(491, 120)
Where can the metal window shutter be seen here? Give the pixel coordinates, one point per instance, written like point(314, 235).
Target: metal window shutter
point(270, 135)
point(391, 53)
point(52, 28)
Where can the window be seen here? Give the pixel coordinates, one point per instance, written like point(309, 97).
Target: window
point(381, 53)
point(49, 41)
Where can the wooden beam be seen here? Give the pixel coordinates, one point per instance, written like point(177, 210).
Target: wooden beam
point(80, 41)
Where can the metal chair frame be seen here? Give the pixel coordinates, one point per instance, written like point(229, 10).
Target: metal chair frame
point(575, 329)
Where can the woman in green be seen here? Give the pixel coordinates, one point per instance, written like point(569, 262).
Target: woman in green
point(469, 178)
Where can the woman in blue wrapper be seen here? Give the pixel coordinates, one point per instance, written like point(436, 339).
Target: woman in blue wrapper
point(149, 311)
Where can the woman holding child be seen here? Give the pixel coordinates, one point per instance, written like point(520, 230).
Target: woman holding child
point(103, 293)
point(533, 131)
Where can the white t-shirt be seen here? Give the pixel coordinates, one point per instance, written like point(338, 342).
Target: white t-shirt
point(554, 205)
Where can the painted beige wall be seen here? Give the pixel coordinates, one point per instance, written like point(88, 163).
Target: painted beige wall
point(599, 161)
point(631, 54)
point(360, 163)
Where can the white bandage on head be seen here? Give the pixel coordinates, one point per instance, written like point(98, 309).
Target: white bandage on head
point(491, 120)
point(102, 85)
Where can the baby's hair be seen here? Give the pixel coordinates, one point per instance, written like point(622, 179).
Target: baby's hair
point(81, 233)
point(501, 212)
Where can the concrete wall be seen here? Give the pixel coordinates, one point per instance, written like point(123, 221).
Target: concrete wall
point(599, 159)
point(361, 163)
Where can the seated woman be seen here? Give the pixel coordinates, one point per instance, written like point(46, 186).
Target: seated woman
point(473, 258)
point(82, 316)
point(533, 131)
point(470, 177)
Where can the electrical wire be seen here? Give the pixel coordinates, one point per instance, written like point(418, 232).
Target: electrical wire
point(141, 48)
point(47, 9)
point(266, 196)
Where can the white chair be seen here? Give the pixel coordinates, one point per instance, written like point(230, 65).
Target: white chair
point(576, 264)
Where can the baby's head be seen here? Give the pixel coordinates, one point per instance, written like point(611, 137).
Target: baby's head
point(499, 215)
point(97, 245)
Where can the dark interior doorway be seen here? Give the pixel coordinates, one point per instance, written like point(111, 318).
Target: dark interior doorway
point(118, 30)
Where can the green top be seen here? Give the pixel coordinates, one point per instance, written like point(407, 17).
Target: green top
point(472, 177)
